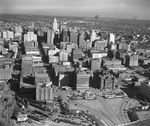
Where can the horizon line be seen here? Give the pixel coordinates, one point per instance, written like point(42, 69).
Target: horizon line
point(74, 16)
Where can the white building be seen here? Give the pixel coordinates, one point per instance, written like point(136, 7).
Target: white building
point(30, 36)
point(111, 38)
point(55, 25)
point(93, 36)
point(10, 34)
point(4, 35)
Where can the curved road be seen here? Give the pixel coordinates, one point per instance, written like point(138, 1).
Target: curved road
point(122, 110)
point(112, 115)
point(98, 114)
point(110, 118)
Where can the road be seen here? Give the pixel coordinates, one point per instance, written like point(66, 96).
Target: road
point(122, 112)
point(106, 113)
point(112, 115)
point(98, 113)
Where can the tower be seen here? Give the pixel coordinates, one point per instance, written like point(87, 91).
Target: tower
point(93, 36)
point(80, 40)
point(50, 37)
point(55, 25)
point(111, 38)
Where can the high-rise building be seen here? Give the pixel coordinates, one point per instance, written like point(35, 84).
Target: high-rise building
point(62, 26)
point(55, 25)
point(30, 36)
point(111, 38)
point(50, 37)
point(87, 44)
point(74, 37)
point(63, 45)
point(64, 35)
point(93, 36)
point(95, 64)
point(44, 93)
point(69, 47)
point(63, 56)
point(82, 81)
point(81, 40)
point(76, 54)
point(131, 60)
point(63, 79)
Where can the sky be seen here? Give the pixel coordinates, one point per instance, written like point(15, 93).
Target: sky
point(88, 8)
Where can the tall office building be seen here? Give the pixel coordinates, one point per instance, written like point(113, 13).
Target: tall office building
point(74, 37)
point(64, 35)
point(111, 38)
point(93, 36)
point(81, 40)
point(62, 27)
point(82, 81)
point(76, 54)
point(63, 56)
point(55, 25)
point(50, 37)
point(132, 60)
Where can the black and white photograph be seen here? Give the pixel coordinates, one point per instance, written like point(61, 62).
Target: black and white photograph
point(74, 62)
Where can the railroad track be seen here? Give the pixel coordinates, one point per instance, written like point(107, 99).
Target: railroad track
point(100, 116)
point(123, 110)
point(110, 112)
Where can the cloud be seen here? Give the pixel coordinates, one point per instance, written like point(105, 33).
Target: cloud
point(116, 8)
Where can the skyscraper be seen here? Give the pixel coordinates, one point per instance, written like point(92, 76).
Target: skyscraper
point(111, 38)
point(62, 27)
point(93, 36)
point(55, 25)
point(74, 37)
point(50, 37)
point(81, 40)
